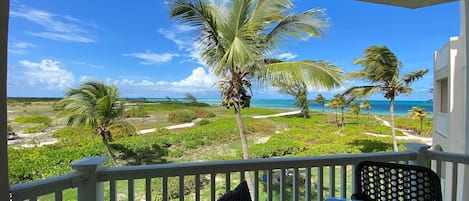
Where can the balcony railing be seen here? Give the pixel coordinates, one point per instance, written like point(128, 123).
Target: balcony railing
point(299, 178)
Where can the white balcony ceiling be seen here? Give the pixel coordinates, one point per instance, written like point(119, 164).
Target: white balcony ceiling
point(409, 3)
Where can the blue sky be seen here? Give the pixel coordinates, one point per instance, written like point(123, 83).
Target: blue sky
point(55, 44)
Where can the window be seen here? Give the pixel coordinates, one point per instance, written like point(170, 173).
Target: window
point(443, 84)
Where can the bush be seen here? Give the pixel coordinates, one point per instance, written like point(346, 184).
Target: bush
point(202, 122)
point(136, 111)
point(181, 116)
point(201, 113)
point(35, 129)
point(176, 153)
point(34, 119)
point(277, 146)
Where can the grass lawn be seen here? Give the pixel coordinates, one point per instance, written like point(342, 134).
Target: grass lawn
point(217, 139)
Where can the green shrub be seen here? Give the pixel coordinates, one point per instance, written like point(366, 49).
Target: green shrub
point(201, 113)
point(278, 145)
point(181, 116)
point(35, 129)
point(202, 122)
point(33, 119)
point(138, 112)
point(176, 153)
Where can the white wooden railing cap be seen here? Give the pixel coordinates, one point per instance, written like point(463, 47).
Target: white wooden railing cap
point(89, 163)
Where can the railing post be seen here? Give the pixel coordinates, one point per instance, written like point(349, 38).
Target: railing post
point(421, 150)
point(91, 189)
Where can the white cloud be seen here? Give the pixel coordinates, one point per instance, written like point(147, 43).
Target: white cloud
point(19, 48)
point(199, 83)
point(149, 58)
point(47, 74)
point(58, 27)
point(171, 35)
point(287, 56)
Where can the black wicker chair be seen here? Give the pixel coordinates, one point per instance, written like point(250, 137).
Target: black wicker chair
point(240, 193)
point(378, 181)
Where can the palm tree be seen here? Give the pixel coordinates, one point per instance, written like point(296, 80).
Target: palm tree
point(236, 38)
point(333, 104)
point(355, 109)
point(297, 89)
point(366, 104)
point(382, 69)
point(321, 100)
point(418, 113)
point(97, 106)
point(341, 102)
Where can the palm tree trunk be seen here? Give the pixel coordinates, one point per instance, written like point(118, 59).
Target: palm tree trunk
point(109, 152)
point(244, 144)
point(343, 123)
point(336, 116)
point(421, 126)
point(391, 112)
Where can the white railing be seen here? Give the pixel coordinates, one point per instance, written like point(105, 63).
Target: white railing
point(442, 57)
point(299, 178)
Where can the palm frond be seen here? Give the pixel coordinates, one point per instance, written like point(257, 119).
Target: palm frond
point(361, 91)
point(413, 76)
point(317, 74)
point(311, 23)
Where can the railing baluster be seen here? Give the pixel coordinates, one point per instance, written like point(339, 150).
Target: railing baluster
point(296, 190)
point(165, 188)
point(148, 188)
point(332, 181)
point(269, 185)
point(308, 183)
point(112, 190)
point(181, 188)
point(438, 167)
point(130, 189)
point(282, 184)
point(320, 183)
point(242, 176)
point(197, 187)
point(227, 181)
point(343, 181)
point(256, 186)
point(454, 185)
point(212, 186)
point(58, 196)
point(354, 188)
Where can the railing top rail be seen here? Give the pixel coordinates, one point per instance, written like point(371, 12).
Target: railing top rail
point(451, 157)
point(178, 169)
point(41, 187)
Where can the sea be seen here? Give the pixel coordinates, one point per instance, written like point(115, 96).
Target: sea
point(377, 106)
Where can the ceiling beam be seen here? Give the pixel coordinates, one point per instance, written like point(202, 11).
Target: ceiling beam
point(409, 3)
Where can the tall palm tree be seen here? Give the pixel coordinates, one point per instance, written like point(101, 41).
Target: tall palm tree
point(418, 113)
point(341, 102)
point(366, 104)
point(97, 106)
point(321, 100)
point(236, 38)
point(382, 69)
point(355, 109)
point(333, 104)
point(297, 89)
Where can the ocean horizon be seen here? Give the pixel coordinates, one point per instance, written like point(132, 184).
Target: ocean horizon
point(401, 107)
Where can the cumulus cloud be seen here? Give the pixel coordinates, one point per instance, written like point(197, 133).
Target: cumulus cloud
point(287, 56)
point(149, 58)
point(200, 82)
point(47, 74)
point(57, 27)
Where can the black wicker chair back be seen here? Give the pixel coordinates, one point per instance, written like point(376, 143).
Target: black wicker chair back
point(378, 181)
point(240, 193)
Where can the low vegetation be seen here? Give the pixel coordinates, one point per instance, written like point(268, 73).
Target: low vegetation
point(217, 131)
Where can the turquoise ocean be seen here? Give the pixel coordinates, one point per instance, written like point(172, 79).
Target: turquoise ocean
point(377, 106)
